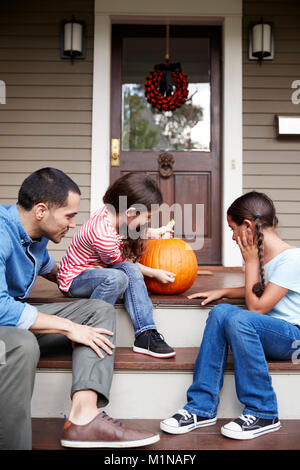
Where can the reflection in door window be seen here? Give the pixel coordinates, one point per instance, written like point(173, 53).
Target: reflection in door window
point(145, 127)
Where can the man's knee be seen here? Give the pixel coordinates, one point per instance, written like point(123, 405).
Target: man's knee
point(21, 346)
point(30, 347)
point(103, 314)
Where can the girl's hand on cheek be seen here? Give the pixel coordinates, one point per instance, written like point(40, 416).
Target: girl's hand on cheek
point(247, 246)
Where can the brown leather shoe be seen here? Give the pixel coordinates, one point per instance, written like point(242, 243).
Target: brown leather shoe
point(104, 431)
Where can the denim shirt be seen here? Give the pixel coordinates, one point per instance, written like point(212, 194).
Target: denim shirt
point(21, 260)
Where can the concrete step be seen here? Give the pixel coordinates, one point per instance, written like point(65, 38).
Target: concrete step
point(144, 387)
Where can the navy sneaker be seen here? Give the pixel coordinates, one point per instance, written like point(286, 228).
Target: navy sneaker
point(183, 421)
point(153, 344)
point(248, 427)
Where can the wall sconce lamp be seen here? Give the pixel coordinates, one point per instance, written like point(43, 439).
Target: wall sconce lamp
point(261, 41)
point(72, 40)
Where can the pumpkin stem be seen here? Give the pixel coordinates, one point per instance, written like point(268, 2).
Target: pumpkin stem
point(167, 229)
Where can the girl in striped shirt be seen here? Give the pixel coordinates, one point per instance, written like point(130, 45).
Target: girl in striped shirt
point(102, 259)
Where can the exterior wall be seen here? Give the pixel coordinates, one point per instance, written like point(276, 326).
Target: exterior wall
point(46, 120)
point(272, 164)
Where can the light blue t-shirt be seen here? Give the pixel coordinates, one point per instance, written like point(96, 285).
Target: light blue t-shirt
point(284, 271)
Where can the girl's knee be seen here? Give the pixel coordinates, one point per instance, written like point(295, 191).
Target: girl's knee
point(132, 270)
point(239, 322)
point(118, 279)
point(122, 281)
point(221, 311)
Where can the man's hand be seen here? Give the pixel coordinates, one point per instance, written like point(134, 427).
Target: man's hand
point(95, 338)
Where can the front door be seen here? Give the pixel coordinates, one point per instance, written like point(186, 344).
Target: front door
point(180, 149)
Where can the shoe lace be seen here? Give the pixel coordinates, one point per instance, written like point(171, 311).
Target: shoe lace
point(156, 336)
point(249, 419)
point(186, 414)
point(115, 421)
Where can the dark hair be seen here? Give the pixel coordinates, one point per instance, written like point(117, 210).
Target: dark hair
point(47, 185)
point(139, 190)
point(259, 208)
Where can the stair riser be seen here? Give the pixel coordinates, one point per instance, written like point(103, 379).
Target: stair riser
point(180, 326)
point(156, 394)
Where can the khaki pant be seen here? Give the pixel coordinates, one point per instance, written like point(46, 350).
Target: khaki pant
point(19, 354)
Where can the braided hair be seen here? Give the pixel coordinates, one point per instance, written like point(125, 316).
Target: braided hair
point(259, 208)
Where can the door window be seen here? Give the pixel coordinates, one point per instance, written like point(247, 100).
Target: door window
point(188, 128)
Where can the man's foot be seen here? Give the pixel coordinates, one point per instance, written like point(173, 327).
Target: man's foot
point(103, 432)
point(153, 344)
point(248, 427)
point(183, 421)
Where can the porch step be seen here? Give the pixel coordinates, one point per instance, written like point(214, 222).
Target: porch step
point(144, 387)
point(148, 388)
point(47, 431)
point(126, 359)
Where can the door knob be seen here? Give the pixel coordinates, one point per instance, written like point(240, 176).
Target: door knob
point(165, 164)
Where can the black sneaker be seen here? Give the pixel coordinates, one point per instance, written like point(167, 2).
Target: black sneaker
point(248, 427)
point(153, 344)
point(183, 421)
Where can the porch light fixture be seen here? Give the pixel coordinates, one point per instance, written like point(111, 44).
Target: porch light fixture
point(261, 41)
point(72, 40)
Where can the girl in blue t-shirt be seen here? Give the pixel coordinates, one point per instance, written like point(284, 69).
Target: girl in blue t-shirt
point(269, 328)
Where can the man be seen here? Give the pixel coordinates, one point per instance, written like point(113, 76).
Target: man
point(47, 205)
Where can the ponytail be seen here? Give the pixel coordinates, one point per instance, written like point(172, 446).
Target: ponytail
point(259, 287)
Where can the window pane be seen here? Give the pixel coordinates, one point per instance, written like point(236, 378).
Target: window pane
point(147, 128)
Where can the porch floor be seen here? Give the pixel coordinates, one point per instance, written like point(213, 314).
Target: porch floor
point(209, 277)
point(47, 431)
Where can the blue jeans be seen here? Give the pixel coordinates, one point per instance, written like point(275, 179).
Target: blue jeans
point(111, 283)
point(252, 337)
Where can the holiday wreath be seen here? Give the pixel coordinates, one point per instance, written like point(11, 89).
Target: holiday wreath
point(160, 83)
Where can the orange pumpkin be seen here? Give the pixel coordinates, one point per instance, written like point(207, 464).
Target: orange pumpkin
point(174, 255)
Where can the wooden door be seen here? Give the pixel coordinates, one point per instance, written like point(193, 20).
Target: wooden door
point(191, 134)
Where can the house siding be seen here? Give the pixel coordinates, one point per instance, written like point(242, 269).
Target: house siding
point(272, 164)
point(47, 118)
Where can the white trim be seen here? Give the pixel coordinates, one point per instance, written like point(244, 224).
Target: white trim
point(229, 14)
point(100, 162)
point(232, 175)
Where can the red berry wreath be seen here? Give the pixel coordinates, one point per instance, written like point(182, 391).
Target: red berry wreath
point(159, 87)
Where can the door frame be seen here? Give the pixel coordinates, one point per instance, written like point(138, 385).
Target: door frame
point(209, 162)
point(232, 101)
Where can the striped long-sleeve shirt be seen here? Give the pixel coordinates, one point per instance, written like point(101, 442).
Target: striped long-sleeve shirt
point(95, 245)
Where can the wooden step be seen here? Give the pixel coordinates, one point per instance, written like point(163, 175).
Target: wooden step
point(47, 431)
point(141, 386)
point(126, 359)
point(45, 291)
